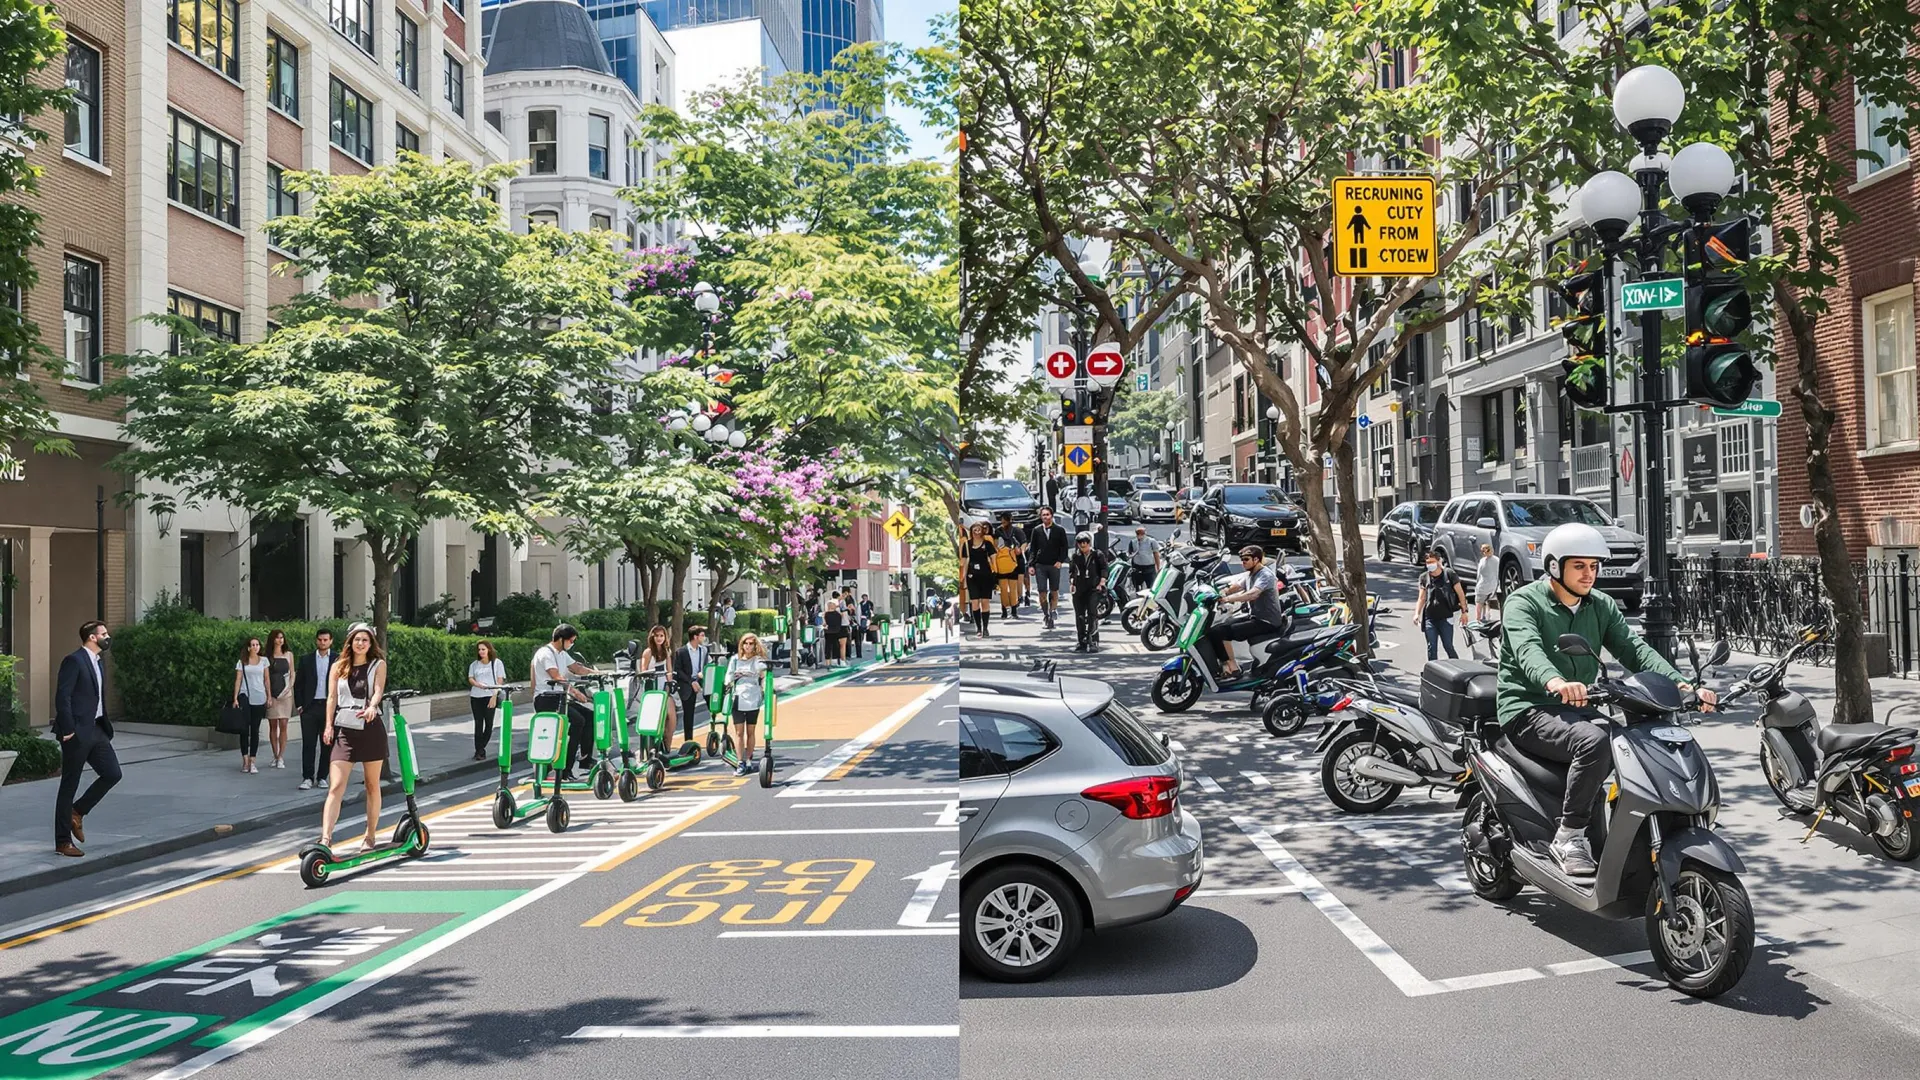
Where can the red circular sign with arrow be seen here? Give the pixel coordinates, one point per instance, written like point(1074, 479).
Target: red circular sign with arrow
point(1106, 364)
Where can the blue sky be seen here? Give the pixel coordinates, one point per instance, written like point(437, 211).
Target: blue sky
point(906, 23)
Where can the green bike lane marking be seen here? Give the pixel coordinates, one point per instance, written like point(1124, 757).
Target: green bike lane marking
point(302, 963)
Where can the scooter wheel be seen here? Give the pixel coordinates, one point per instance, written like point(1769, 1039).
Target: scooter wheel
point(1158, 633)
point(713, 744)
point(1489, 872)
point(403, 831)
point(766, 771)
point(1106, 606)
point(602, 783)
point(1175, 691)
point(558, 815)
point(1706, 955)
point(630, 786)
point(656, 776)
point(1355, 794)
point(691, 751)
point(1130, 621)
point(1284, 716)
point(421, 839)
point(503, 810)
point(313, 869)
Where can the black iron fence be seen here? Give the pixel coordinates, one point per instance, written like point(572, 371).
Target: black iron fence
point(1759, 605)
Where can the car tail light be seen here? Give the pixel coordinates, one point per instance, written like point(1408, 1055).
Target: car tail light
point(1139, 797)
point(1899, 752)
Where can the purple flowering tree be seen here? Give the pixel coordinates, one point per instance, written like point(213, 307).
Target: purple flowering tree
point(790, 512)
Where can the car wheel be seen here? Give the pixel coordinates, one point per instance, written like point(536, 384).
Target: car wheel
point(1511, 576)
point(1019, 923)
point(1380, 550)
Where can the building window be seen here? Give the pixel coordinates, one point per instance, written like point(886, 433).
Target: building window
point(543, 141)
point(600, 222)
point(1519, 420)
point(599, 136)
point(283, 75)
point(83, 117)
point(280, 201)
point(81, 299)
point(456, 84)
point(1869, 119)
point(1566, 18)
point(210, 30)
point(1890, 371)
point(459, 7)
point(492, 117)
point(405, 138)
point(1492, 448)
point(203, 171)
point(1736, 448)
point(213, 320)
point(352, 121)
point(406, 61)
point(354, 20)
point(536, 218)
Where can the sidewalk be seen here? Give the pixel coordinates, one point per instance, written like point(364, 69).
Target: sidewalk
point(176, 792)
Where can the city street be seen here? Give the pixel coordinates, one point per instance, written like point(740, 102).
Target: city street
point(1328, 944)
point(805, 930)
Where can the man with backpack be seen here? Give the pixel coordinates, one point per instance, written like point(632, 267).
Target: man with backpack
point(1441, 600)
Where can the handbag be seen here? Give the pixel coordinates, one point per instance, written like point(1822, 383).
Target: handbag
point(232, 719)
point(1004, 560)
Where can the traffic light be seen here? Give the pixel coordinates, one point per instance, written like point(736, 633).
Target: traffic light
point(1069, 413)
point(1585, 328)
point(1719, 370)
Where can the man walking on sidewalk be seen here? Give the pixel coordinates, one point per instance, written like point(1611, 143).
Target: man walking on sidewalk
point(1049, 550)
point(86, 737)
point(1087, 569)
point(310, 697)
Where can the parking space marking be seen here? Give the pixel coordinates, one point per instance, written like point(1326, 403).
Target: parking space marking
point(865, 793)
point(1256, 779)
point(823, 769)
point(852, 802)
point(773, 1031)
point(1252, 890)
point(820, 832)
point(1211, 786)
point(891, 931)
point(1402, 843)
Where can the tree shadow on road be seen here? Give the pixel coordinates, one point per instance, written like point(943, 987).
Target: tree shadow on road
point(1192, 950)
point(52, 978)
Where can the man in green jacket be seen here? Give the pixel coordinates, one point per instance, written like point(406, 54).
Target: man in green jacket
point(1543, 692)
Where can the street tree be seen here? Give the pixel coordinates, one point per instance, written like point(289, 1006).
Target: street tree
point(1202, 146)
point(1141, 418)
point(1776, 84)
point(441, 370)
point(789, 511)
point(30, 40)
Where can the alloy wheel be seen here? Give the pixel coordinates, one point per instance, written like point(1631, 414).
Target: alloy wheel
point(1701, 940)
point(1018, 924)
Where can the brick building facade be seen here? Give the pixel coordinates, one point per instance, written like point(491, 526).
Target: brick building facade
point(1866, 348)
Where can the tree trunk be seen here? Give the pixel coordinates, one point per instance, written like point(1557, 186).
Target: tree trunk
point(383, 567)
point(1353, 559)
point(681, 564)
point(1853, 694)
point(793, 621)
point(650, 582)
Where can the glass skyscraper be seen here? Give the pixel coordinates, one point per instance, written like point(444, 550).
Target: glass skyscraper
point(828, 26)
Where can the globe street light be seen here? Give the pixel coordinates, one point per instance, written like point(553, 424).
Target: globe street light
point(1646, 102)
point(1608, 201)
point(706, 298)
point(1700, 177)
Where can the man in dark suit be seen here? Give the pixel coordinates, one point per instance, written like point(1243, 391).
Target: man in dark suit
point(310, 697)
point(86, 737)
point(689, 664)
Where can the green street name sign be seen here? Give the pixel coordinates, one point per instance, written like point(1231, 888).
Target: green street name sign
point(1659, 295)
point(1752, 407)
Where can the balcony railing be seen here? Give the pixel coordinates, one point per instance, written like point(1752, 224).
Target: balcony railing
point(1592, 466)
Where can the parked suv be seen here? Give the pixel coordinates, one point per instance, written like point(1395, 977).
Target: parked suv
point(1235, 515)
point(1516, 523)
point(991, 498)
point(1150, 504)
point(1070, 820)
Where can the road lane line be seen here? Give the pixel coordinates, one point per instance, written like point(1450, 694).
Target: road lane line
point(1390, 963)
point(891, 931)
point(773, 1031)
point(1257, 780)
point(1255, 890)
point(821, 832)
point(878, 733)
point(346, 991)
point(664, 832)
point(852, 802)
point(1211, 786)
point(863, 793)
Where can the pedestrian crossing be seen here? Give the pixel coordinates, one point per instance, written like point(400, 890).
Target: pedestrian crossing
point(467, 847)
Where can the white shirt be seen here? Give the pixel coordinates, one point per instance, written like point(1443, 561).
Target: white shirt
point(490, 673)
point(549, 657)
point(322, 662)
point(99, 686)
point(726, 615)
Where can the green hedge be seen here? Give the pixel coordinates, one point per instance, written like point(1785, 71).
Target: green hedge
point(10, 712)
point(38, 757)
point(181, 673)
point(613, 618)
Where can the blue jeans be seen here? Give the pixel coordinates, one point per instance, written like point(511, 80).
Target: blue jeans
point(1439, 633)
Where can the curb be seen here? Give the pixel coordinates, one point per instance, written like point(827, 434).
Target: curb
point(94, 864)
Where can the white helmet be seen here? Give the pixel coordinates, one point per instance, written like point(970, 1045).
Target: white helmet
point(1571, 541)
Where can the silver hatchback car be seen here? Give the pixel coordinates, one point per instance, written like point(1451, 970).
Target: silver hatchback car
point(1070, 819)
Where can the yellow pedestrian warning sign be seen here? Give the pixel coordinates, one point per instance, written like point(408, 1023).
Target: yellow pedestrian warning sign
point(899, 525)
point(1384, 227)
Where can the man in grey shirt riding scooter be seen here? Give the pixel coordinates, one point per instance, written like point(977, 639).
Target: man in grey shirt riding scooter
point(1264, 610)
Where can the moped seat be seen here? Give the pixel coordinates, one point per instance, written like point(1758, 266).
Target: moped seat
point(1395, 694)
point(1839, 738)
point(1548, 776)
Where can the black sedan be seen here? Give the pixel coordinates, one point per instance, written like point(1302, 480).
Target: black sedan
point(989, 498)
point(1408, 530)
point(1235, 515)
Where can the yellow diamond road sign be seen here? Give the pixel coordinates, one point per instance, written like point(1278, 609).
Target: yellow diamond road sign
point(899, 525)
point(1383, 226)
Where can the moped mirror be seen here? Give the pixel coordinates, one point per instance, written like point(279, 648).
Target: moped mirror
point(1574, 645)
point(1721, 650)
point(1176, 534)
point(1693, 657)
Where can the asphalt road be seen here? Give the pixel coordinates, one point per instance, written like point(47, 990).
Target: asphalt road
point(715, 928)
point(1324, 944)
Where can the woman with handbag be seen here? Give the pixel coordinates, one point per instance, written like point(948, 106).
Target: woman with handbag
point(485, 675)
point(250, 683)
point(354, 729)
point(745, 675)
point(981, 578)
point(279, 694)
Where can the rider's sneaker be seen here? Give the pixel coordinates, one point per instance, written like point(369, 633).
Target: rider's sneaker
point(1575, 857)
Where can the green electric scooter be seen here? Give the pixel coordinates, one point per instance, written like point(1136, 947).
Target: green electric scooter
point(410, 836)
point(643, 710)
point(546, 747)
point(724, 717)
